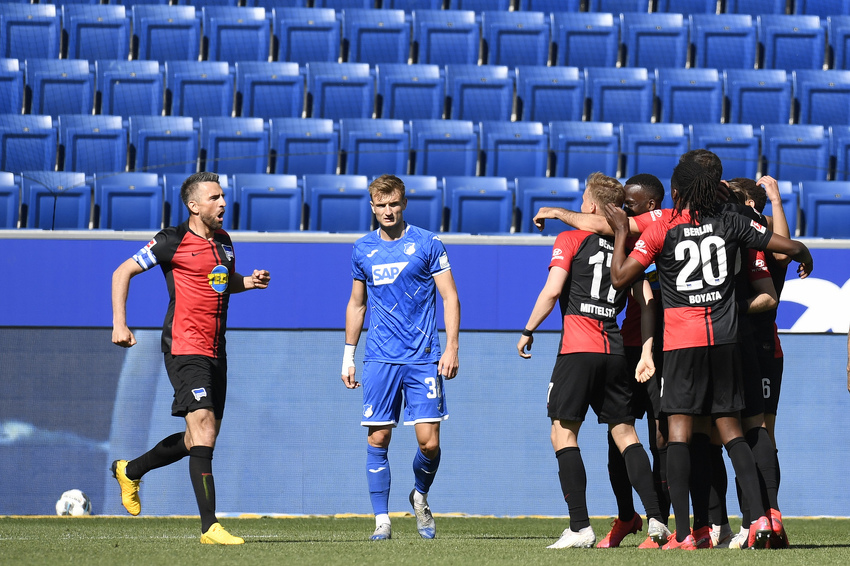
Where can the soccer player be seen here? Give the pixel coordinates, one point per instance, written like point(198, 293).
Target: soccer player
point(591, 367)
point(396, 270)
point(199, 265)
point(703, 376)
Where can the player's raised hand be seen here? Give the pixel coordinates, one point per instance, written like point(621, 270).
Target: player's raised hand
point(617, 218)
point(123, 336)
point(260, 279)
point(524, 346)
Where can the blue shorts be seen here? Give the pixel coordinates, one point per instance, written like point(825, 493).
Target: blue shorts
point(422, 388)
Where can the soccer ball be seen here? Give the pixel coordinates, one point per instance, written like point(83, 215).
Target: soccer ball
point(73, 502)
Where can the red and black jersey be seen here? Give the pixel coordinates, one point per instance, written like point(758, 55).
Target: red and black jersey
point(589, 304)
point(197, 272)
point(696, 269)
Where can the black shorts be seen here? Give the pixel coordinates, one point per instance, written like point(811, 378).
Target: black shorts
point(702, 381)
point(753, 388)
point(647, 395)
point(595, 380)
point(771, 378)
point(199, 382)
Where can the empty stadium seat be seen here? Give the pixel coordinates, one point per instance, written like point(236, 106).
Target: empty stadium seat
point(27, 143)
point(757, 96)
point(687, 7)
point(340, 90)
point(410, 5)
point(532, 193)
point(479, 6)
point(59, 86)
point(618, 6)
point(337, 203)
point(822, 8)
point(55, 200)
point(549, 6)
point(585, 40)
point(344, 4)
point(269, 90)
point(789, 194)
point(277, 3)
point(795, 152)
point(838, 34)
point(514, 149)
point(375, 36)
point(166, 33)
point(234, 145)
point(269, 203)
point(176, 212)
point(128, 201)
point(11, 87)
point(198, 88)
point(444, 147)
point(95, 32)
point(410, 92)
point(689, 96)
point(825, 206)
point(515, 38)
point(654, 40)
point(10, 201)
point(445, 37)
point(306, 35)
point(547, 94)
point(424, 194)
point(479, 92)
point(723, 41)
point(479, 205)
point(734, 144)
point(125, 88)
point(163, 144)
point(821, 97)
point(755, 7)
point(791, 42)
point(373, 146)
point(235, 34)
point(619, 95)
point(304, 146)
point(582, 148)
point(29, 31)
point(652, 148)
point(92, 144)
point(201, 3)
point(839, 151)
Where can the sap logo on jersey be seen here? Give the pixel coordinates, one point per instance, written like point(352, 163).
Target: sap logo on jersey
point(387, 272)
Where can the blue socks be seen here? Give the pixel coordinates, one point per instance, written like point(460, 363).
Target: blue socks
point(424, 470)
point(378, 478)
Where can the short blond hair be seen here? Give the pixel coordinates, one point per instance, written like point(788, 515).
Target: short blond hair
point(603, 189)
point(386, 185)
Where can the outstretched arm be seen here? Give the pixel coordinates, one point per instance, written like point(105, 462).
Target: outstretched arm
point(546, 301)
point(121, 334)
point(449, 363)
point(778, 222)
point(795, 250)
point(624, 270)
point(355, 315)
point(578, 220)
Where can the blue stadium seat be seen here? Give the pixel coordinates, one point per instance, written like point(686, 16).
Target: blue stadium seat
point(688, 7)
point(337, 203)
point(410, 5)
point(125, 88)
point(410, 92)
point(822, 8)
point(340, 90)
point(166, 33)
point(375, 36)
point(734, 144)
point(547, 94)
point(198, 88)
point(95, 32)
point(790, 195)
point(344, 4)
point(479, 6)
point(444, 147)
point(235, 34)
point(515, 38)
point(479, 92)
point(550, 6)
point(373, 146)
point(654, 40)
point(652, 148)
point(821, 97)
point(27, 143)
point(445, 37)
point(59, 86)
point(277, 3)
point(514, 149)
point(306, 35)
point(689, 96)
point(795, 152)
point(723, 41)
point(618, 6)
point(55, 200)
point(92, 144)
point(303, 146)
point(29, 31)
point(585, 40)
point(176, 212)
point(825, 206)
point(163, 144)
point(202, 3)
point(532, 193)
point(128, 201)
point(269, 90)
point(582, 148)
point(757, 96)
point(791, 42)
point(424, 194)
point(479, 205)
point(234, 145)
point(619, 95)
point(838, 34)
point(11, 87)
point(839, 151)
point(10, 201)
point(755, 7)
point(269, 203)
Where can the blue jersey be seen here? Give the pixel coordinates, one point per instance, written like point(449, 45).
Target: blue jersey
point(399, 278)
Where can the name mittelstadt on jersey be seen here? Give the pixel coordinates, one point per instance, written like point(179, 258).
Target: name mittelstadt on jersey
point(607, 312)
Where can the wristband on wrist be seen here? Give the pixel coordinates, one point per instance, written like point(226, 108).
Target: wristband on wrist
point(348, 358)
point(527, 332)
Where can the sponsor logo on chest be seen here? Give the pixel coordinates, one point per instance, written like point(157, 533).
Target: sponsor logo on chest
point(387, 273)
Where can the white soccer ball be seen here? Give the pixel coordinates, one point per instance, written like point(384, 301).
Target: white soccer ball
point(73, 502)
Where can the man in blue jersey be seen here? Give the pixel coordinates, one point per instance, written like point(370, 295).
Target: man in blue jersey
point(396, 270)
